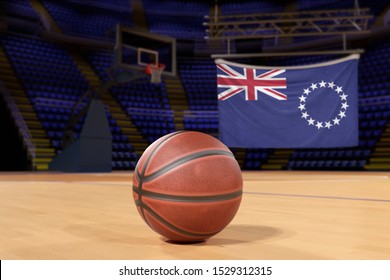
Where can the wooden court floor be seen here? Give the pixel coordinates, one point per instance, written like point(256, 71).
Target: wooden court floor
point(283, 215)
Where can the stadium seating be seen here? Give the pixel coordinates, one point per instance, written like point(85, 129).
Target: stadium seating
point(147, 104)
point(115, 5)
point(324, 5)
point(185, 19)
point(53, 93)
point(373, 78)
point(376, 7)
point(199, 81)
point(94, 21)
point(19, 9)
point(251, 7)
point(255, 158)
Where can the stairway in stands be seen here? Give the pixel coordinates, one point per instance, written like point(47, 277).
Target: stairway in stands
point(380, 158)
point(41, 10)
point(177, 100)
point(44, 152)
point(120, 116)
point(278, 159)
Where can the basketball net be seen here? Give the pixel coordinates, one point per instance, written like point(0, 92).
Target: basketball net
point(155, 72)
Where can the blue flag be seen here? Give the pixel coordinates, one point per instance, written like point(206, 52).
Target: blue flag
point(311, 106)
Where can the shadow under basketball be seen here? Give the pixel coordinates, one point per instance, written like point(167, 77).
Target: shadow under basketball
point(235, 234)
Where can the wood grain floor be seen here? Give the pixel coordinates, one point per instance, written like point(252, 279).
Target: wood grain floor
point(283, 215)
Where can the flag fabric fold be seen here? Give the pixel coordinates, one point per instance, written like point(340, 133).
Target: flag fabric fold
point(311, 106)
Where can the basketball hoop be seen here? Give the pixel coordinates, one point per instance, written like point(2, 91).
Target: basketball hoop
point(155, 72)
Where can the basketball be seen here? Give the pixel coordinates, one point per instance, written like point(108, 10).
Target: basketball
point(187, 186)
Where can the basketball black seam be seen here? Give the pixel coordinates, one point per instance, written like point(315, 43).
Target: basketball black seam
point(190, 199)
point(184, 160)
point(152, 153)
point(143, 172)
point(173, 227)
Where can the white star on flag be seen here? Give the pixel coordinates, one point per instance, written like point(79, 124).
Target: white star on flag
point(344, 106)
point(322, 84)
point(343, 96)
point(305, 115)
point(313, 86)
point(311, 121)
point(306, 91)
point(319, 125)
point(336, 121)
point(302, 107)
point(328, 125)
point(342, 114)
point(339, 89)
point(302, 98)
point(331, 85)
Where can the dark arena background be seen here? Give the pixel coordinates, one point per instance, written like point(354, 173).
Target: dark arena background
point(77, 111)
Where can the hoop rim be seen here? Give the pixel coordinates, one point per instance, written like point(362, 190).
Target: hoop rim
point(154, 66)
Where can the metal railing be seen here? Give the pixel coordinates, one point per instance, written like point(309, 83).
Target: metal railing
point(272, 27)
point(309, 23)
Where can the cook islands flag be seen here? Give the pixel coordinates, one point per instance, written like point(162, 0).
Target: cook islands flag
point(311, 106)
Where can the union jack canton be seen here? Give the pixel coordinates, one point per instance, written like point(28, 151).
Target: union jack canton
point(249, 80)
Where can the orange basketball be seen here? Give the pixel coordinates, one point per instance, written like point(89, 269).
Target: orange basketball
point(187, 186)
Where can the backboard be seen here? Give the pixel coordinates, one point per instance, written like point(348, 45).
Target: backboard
point(135, 49)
